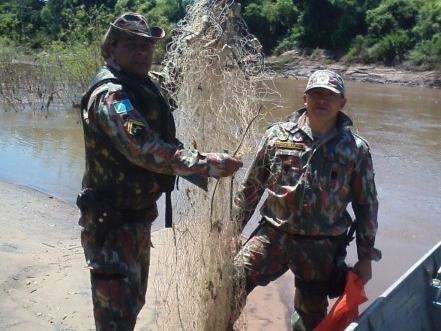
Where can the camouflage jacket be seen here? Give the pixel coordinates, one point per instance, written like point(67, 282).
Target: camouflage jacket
point(311, 181)
point(131, 149)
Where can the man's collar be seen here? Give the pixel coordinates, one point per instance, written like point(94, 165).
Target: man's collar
point(123, 74)
point(297, 121)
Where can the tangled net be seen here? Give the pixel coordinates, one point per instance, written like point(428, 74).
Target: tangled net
point(214, 71)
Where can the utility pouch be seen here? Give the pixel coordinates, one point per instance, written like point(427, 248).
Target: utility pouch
point(96, 216)
point(338, 279)
point(333, 289)
point(87, 200)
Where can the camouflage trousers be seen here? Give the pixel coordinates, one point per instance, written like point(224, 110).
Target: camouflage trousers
point(117, 251)
point(270, 253)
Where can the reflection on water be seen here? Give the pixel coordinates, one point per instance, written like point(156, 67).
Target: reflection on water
point(402, 125)
point(44, 151)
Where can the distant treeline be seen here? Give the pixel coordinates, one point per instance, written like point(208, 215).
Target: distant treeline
point(369, 31)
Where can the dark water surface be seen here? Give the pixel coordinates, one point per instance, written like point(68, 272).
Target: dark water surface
point(402, 125)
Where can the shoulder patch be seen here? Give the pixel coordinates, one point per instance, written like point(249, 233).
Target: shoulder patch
point(113, 87)
point(276, 130)
point(122, 106)
point(360, 139)
point(156, 75)
point(272, 125)
point(288, 126)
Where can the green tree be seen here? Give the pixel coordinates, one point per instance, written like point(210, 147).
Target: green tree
point(390, 35)
point(428, 35)
point(20, 20)
point(392, 15)
point(270, 20)
point(331, 24)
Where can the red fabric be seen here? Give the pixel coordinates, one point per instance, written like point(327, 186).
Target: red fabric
point(345, 309)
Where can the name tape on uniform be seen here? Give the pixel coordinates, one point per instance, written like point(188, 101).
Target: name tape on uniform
point(290, 145)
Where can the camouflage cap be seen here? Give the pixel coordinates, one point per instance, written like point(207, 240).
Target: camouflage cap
point(326, 79)
point(135, 25)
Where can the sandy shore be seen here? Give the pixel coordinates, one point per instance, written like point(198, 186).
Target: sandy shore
point(294, 64)
point(44, 282)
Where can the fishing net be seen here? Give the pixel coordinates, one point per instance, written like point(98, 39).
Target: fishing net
point(214, 71)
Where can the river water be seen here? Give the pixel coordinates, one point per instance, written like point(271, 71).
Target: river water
point(402, 125)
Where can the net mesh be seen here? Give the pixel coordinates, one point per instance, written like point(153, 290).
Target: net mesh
point(214, 71)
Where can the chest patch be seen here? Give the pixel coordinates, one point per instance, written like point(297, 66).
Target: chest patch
point(290, 145)
point(122, 106)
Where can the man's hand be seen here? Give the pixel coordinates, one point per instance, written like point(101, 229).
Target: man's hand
point(363, 268)
point(222, 165)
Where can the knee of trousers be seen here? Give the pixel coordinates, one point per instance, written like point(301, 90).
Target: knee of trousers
point(310, 303)
point(247, 279)
point(114, 294)
point(301, 321)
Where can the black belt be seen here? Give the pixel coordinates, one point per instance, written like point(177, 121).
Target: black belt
point(342, 236)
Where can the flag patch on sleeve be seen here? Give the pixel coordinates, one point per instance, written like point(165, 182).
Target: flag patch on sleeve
point(122, 106)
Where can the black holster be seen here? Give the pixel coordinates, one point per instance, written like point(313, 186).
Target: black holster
point(337, 281)
point(102, 216)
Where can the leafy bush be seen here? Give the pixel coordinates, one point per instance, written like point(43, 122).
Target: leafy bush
point(429, 20)
point(428, 35)
point(358, 50)
point(390, 37)
point(427, 52)
point(391, 15)
point(288, 43)
point(391, 49)
point(270, 20)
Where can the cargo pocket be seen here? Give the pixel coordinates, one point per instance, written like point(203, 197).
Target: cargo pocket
point(288, 164)
point(333, 175)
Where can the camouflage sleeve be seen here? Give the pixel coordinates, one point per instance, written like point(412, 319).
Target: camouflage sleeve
point(365, 206)
point(130, 133)
point(252, 188)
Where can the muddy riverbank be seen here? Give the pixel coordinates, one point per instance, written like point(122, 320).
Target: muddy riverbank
point(44, 281)
point(294, 64)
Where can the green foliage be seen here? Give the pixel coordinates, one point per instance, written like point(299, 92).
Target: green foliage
point(429, 20)
point(329, 24)
point(428, 34)
point(387, 31)
point(270, 20)
point(288, 43)
point(427, 52)
point(19, 20)
point(74, 65)
point(400, 30)
point(390, 16)
point(390, 49)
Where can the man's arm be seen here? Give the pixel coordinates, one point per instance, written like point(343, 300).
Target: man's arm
point(129, 132)
point(365, 206)
point(251, 190)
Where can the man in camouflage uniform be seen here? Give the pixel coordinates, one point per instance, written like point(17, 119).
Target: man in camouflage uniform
point(132, 155)
point(312, 166)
